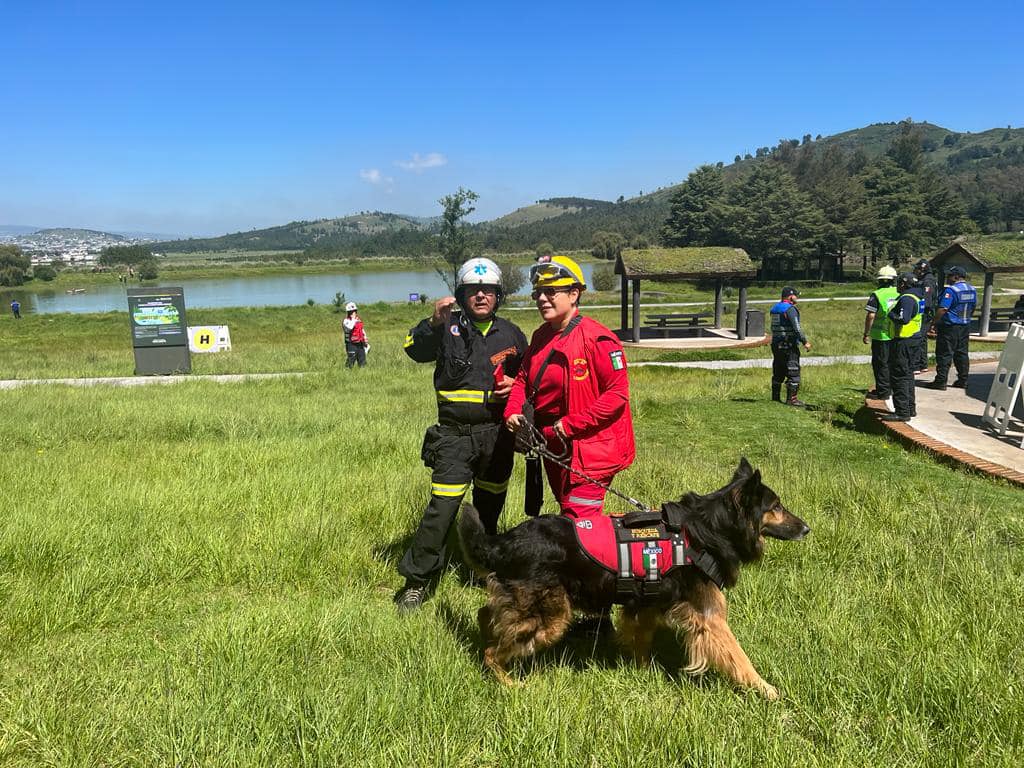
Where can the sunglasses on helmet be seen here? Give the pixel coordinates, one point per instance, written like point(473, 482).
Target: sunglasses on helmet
point(550, 271)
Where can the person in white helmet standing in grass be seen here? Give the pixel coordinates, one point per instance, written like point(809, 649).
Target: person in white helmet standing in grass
point(878, 331)
point(476, 356)
point(355, 336)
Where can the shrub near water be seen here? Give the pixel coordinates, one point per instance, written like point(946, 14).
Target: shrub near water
point(202, 574)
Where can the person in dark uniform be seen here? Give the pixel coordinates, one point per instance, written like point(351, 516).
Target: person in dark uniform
point(928, 287)
point(16, 309)
point(476, 356)
point(906, 317)
point(787, 336)
point(952, 328)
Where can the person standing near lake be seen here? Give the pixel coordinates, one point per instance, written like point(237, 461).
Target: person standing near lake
point(16, 309)
point(574, 379)
point(355, 336)
point(878, 330)
point(476, 354)
point(952, 327)
point(787, 336)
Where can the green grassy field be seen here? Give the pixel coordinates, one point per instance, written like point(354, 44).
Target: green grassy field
point(202, 574)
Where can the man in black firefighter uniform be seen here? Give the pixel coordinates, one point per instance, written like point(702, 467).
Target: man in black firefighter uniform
point(928, 290)
point(476, 356)
point(787, 336)
point(906, 318)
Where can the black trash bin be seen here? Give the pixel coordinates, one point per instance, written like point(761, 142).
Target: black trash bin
point(753, 323)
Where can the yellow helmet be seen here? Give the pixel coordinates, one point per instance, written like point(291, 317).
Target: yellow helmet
point(556, 272)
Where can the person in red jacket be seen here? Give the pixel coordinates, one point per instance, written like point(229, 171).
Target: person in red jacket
point(580, 397)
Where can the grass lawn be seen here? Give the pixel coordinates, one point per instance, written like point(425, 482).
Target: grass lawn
point(202, 574)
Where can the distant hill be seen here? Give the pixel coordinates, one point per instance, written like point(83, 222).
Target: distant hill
point(12, 230)
point(977, 166)
point(82, 233)
point(548, 209)
point(300, 235)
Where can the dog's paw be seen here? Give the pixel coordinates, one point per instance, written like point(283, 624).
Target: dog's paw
point(770, 692)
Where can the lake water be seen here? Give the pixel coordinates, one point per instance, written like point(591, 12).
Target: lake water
point(257, 291)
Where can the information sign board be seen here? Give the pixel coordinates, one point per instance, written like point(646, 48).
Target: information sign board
point(159, 330)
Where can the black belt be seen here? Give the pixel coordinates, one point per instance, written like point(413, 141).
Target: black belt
point(467, 429)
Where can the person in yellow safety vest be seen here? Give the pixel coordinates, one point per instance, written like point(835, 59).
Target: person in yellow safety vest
point(906, 315)
point(878, 330)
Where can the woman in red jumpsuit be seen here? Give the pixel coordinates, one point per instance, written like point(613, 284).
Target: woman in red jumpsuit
point(582, 399)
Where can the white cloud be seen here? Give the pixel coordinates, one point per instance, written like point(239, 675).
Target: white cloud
point(375, 177)
point(420, 163)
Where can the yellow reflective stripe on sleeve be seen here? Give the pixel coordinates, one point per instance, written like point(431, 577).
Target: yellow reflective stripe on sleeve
point(449, 489)
point(408, 341)
point(461, 396)
point(483, 485)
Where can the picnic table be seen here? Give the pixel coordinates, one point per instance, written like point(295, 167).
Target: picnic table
point(678, 320)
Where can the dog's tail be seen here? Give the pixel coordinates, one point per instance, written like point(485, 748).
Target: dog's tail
point(478, 547)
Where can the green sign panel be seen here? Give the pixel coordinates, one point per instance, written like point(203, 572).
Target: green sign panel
point(159, 330)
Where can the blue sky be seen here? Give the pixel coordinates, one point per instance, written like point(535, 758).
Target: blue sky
point(205, 118)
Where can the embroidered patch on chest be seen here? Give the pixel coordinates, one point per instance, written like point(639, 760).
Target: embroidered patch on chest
point(618, 360)
point(455, 330)
point(580, 370)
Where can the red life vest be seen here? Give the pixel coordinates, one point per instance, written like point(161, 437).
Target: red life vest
point(643, 553)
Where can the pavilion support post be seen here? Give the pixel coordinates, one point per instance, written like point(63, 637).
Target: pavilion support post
point(624, 303)
point(986, 303)
point(718, 304)
point(636, 311)
point(741, 313)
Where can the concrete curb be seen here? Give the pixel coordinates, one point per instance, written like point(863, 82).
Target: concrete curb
point(908, 436)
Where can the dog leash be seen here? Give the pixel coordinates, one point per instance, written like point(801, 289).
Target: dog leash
point(533, 440)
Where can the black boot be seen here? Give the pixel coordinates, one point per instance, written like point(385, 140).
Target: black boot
point(776, 391)
point(792, 399)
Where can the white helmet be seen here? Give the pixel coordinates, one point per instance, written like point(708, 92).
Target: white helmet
point(886, 273)
point(351, 307)
point(478, 271)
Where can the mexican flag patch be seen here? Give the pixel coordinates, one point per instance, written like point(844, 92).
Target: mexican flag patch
point(618, 360)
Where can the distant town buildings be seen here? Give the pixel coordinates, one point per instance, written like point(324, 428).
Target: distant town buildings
point(79, 247)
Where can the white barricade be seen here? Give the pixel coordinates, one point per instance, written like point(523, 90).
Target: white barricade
point(1006, 386)
point(209, 338)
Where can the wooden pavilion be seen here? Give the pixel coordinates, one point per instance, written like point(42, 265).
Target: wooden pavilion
point(982, 253)
point(717, 264)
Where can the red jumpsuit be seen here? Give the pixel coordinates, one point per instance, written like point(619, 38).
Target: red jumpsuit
point(585, 385)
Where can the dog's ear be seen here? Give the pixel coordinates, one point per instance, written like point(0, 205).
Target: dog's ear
point(752, 488)
point(744, 470)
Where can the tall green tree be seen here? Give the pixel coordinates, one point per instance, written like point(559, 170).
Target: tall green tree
point(773, 220)
point(455, 242)
point(695, 209)
point(14, 265)
point(891, 218)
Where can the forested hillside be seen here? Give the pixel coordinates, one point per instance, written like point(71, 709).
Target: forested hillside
point(809, 206)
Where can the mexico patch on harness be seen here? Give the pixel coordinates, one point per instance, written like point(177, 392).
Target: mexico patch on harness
point(618, 360)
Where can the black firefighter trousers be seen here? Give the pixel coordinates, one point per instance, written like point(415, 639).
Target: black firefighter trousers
point(481, 454)
point(951, 345)
point(902, 364)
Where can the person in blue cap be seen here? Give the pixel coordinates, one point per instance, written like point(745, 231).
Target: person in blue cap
point(952, 328)
point(787, 336)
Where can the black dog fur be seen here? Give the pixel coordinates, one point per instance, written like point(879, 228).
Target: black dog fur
point(538, 577)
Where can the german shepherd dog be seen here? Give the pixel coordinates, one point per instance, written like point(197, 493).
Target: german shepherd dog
point(537, 577)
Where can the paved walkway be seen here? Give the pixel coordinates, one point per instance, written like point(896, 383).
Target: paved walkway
point(949, 424)
point(766, 362)
point(139, 381)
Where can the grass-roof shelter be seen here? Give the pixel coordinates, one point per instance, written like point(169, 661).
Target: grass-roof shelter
point(717, 263)
point(982, 253)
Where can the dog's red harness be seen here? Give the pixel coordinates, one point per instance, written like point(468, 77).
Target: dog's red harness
point(641, 550)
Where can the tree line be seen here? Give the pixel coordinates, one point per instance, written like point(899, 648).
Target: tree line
point(803, 211)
